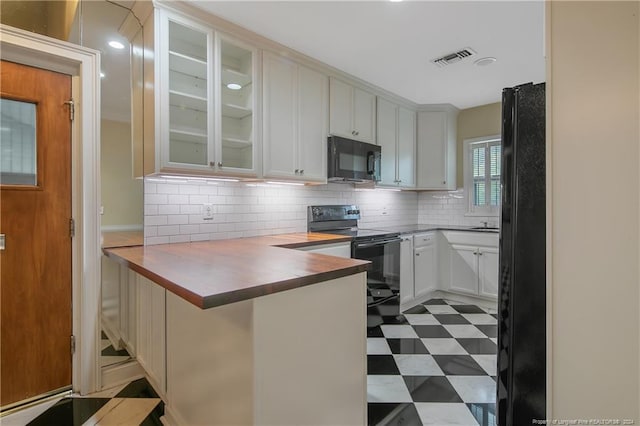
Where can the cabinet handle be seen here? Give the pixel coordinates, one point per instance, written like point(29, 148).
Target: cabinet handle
point(417, 254)
point(353, 132)
point(357, 133)
point(444, 182)
point(219, 163)
point(302, 171)
point(475, 253)
point(212, 164)
point(297, 171)
point(479, 253)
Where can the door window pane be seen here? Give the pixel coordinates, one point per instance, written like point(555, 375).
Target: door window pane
point(17, 143)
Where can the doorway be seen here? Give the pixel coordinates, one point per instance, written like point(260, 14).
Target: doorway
point(35, 223)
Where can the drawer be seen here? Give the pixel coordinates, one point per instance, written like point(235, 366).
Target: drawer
point(424, 239)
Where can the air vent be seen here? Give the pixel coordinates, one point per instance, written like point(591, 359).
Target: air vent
point(452, 58)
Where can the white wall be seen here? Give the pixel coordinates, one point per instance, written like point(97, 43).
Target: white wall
point(173, 208)
point(593, 211)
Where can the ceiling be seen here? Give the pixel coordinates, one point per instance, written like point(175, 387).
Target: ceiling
point(391, 44)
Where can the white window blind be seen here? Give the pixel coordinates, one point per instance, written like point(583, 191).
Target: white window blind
point(482, 172)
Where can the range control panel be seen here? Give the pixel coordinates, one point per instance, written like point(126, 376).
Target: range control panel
point(334, 212)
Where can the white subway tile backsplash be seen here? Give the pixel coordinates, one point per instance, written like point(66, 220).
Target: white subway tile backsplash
point(174, 209)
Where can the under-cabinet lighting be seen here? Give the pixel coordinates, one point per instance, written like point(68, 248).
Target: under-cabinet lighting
point(378, 189)
point(116, 44)
point(205, 179)
point(234, 86)
point(286, 183)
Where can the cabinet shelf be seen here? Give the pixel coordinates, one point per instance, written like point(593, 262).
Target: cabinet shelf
point(185, 100)
point(230, 142)
point(233, 76)
point(187, 65)
point(235, 111)
point(187, 136)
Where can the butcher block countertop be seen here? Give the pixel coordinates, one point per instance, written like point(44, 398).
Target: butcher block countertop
point(112, 239)
point(214, 273)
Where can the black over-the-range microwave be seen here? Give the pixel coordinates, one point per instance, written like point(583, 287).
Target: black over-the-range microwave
point(352, 161)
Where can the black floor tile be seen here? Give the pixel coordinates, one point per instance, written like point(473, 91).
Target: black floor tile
point(485, 414)
point(407, 346)
point(451, 319)
point(69, 412)
point(420, 309)
point(111, 351)
point(495, 316)
point(431, 389)
point(375, 331)
point(459, 365)
point(468, 309)
point(392, 414)
point(138, 389)
point(489, 330)
point(432, 331)
point(435, 302)
point(381, 364)
point(103, 336)
point(479, 346)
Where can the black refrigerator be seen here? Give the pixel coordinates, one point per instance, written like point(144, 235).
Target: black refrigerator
point(521, 387)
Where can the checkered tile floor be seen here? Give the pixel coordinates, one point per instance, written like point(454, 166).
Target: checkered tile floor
point(434, 365)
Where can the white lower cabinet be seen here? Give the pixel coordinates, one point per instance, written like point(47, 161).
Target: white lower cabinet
point(406, 271)
point(425, 264)
point(471, 260)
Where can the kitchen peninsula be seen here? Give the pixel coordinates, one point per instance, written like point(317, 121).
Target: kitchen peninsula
point(246, 331)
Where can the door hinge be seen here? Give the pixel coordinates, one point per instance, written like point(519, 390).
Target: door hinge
point(72, 227)
point(72, 109)
point(73, 344)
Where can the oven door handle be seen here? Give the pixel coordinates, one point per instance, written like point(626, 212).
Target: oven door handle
point(377, 243)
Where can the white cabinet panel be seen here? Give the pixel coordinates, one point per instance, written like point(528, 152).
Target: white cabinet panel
point(364, 115)
point(151, 347)
point(463, 270)
point(406, 156)
point(436, 150)
point(425, 269)
point(406, 270)
point(352, 112)
point(313, 124)
point(387, 132)
point(279, 119)
point(295, 112)
point(488, 261)
point(397, 137)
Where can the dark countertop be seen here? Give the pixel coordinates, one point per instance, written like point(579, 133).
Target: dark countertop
point(414, 229)
point(214, 273)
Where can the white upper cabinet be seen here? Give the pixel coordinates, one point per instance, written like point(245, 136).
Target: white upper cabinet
point(352, 112)
point(205, 96)
point(295, 120)
point(436, 149)
point(397, 137)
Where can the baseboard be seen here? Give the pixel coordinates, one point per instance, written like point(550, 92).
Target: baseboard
point(121, 373)
point(454, 297)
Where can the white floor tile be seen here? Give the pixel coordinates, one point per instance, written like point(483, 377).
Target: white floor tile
point(464, 331)
point(445, 414)
point(441, 309)
point(24, 416)
point(480, 389)
point(494, 340)
point(480, 319)
point(488, 363)
point(110, 360)
point(398, 332)
point(421, 319)
point(377, 346)
point(382, 388)
point(453, 302)
point(104, 344)
point(417, 365)
point(444, 346)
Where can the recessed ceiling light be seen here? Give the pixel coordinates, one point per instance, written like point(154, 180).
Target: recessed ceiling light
point(234, 86)
point(116, 44)
point(482, 62)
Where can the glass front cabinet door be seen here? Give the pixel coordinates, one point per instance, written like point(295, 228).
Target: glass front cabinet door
point(207, 99)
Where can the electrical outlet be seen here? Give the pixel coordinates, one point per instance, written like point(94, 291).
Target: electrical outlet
point(207, 211)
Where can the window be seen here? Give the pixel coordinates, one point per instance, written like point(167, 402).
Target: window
point(482, 165)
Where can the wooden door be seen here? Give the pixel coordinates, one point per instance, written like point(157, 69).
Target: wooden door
point(35, 210)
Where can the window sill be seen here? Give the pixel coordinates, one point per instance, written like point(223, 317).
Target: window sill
point(482, 214)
